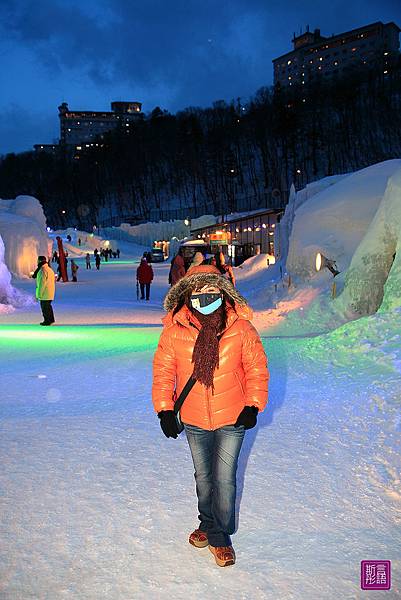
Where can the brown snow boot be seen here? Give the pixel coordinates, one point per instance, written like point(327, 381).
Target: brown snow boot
point(223, 555)
point(199, 539)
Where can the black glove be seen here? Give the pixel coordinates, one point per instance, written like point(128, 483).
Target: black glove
point(168, 423)
point(247, 417)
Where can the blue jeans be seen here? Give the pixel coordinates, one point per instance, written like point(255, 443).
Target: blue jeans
point(215, 457)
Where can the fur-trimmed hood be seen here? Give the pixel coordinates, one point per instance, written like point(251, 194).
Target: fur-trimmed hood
point(199, 279)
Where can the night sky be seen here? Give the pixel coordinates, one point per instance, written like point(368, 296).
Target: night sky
point(170, 54)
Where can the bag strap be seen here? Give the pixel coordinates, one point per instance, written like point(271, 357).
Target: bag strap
point(184, 393)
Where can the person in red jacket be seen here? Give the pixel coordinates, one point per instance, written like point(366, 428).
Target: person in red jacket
point(208, 335)
point(144, 275)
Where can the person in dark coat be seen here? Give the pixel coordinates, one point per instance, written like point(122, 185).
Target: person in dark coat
point(177, 269)
point(144, 275)
point(97, 261)
point(74, 270)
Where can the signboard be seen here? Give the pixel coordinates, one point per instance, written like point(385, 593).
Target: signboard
point(219, 238)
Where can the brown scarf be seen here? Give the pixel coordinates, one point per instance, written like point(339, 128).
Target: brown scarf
point(206, 350)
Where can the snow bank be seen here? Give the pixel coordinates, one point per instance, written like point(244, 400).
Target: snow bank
point(356, 221)
point(89, 242)
point(146, 233)
point(335, 220)
point(23, 229)
point(373, 279)
point(295, 201)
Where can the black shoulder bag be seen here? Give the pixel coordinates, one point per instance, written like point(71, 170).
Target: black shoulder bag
point(180, 401)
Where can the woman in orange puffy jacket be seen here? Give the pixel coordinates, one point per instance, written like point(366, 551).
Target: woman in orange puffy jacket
point(207, 334)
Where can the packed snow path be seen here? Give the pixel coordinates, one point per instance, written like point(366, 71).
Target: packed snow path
point(98, 504)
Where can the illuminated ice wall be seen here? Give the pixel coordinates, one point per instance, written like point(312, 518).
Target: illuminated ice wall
point(23, 229)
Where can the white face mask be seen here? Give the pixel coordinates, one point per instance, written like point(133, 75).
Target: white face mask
point(206, 303)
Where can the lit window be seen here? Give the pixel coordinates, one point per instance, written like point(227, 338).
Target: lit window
point(385, 72)
point(336, 63)
point(311, 61)
point(288, 62)
point(303, 82)
point(321, 58)
point(289, 77)
point(353, 49)
point(385, 54)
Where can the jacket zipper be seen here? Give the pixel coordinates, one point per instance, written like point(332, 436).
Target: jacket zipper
point(208, 407)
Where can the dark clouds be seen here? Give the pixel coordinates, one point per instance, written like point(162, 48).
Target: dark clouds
point(173, 54)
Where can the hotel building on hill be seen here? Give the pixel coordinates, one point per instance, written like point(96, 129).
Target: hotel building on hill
point(314, 57)
point(82, 127)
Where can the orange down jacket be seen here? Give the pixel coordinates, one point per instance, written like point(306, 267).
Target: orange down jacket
point(241, 378)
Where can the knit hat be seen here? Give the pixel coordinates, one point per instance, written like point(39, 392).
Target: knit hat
point(197, 277)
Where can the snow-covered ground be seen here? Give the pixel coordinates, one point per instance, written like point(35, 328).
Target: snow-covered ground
point(98, 504)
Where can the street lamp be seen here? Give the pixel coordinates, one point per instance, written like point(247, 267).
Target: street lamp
point(324, 262)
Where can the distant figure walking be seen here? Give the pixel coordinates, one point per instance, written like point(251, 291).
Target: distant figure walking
point(88, 261)
point(118, 253)
point(45, 289)
point(177, 269)
point(144, 274)
point(79, 241)
point(97, 261)
point(74, 270)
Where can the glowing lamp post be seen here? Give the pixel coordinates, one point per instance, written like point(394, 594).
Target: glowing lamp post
point(324, 262)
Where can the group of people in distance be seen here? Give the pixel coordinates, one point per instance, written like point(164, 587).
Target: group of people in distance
point(144, 273)
point(46, 278)
point(178, 268)
point(73, 265)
